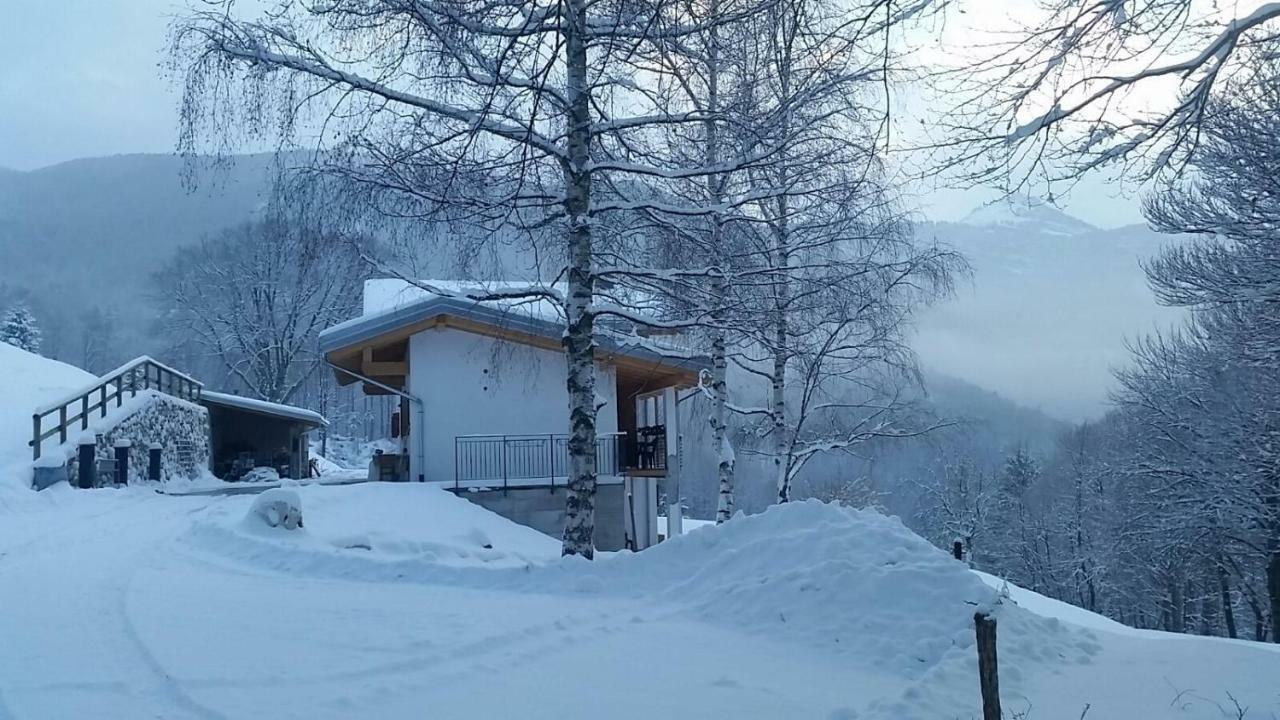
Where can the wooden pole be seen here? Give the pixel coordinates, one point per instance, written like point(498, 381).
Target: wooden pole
point(985, 627)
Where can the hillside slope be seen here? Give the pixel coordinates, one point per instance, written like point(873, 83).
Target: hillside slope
point(27, 382)
point(1049, 309)
point(88, 233)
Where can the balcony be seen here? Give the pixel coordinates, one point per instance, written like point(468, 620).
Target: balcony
point(543, 460)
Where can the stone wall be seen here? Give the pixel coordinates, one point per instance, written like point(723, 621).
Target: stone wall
point(158, 419)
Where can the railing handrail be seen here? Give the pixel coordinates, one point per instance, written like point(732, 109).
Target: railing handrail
point(167, 381)
point(116, 375)
point(502, 457)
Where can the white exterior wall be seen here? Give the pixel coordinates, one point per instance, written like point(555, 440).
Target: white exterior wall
point(476, 385)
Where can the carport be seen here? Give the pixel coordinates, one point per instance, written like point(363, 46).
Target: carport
point(245, 433)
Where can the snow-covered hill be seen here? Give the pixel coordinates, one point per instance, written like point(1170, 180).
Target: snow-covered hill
point(27, 382)
point(1048, 310)
point(403, 601)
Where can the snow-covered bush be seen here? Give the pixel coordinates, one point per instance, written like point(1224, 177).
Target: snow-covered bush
point(277, 507)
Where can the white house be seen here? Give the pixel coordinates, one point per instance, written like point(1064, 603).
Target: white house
point(484, 408)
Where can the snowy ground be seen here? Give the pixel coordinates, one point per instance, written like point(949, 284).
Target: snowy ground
point(402, 601)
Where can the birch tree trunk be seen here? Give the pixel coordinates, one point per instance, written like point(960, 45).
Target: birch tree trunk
point(719, 287)
point(579, 524)
point(778, 388)
point(719, 414)
point(782, 459)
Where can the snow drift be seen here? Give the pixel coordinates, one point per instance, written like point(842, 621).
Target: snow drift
point(850, 582)
point(28, 381)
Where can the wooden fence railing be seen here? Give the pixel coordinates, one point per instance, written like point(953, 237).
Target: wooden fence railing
point(112, 388)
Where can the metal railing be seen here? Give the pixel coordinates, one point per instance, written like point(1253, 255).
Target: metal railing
point(502, 458)
point(647, 449)
point(140, 374)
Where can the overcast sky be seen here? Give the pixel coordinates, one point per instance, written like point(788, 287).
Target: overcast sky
point(85, 78)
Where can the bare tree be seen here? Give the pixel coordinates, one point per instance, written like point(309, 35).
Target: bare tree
point(255, 297)
point(1092, 83)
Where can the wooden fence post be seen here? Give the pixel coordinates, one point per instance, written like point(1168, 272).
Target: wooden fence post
point(985, 628)
point(957, 550)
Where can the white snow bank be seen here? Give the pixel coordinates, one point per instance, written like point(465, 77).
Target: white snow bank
point(851, 582)
point(1048, 607)
point(379, 531)
point(803, 607)
point(854, 581)
point(27, 382)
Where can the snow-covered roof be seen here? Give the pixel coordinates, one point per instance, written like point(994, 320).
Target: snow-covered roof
point(262, 407)
point(384, 294)
point(393, 304)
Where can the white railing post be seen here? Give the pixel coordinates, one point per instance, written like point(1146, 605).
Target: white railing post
point(671, 426)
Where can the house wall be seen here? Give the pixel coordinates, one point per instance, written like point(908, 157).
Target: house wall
point(476, 385)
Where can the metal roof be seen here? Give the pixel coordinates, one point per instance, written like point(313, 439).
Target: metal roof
point(367, 327)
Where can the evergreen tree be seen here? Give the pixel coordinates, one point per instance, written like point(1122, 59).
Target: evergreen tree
point(19, 328)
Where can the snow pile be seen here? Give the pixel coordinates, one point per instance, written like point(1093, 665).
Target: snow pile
point(854, 581)
point(805, 606)
point(277, 507)
point(261, 474)
point(378, 531)
point(851, 582)
point(28, 382)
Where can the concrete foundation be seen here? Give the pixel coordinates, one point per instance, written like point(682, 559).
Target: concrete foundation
point(542, 509)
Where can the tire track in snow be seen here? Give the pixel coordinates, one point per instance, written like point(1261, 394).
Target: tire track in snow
point(89, 555)
point(169, 687)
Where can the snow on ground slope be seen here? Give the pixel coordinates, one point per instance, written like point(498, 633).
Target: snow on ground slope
point(387, 604)
point(27, 382)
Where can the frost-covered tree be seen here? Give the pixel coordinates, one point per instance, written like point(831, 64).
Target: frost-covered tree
point(255, 297)
point(19, 329)
point(803, 275)
point(1093, 83)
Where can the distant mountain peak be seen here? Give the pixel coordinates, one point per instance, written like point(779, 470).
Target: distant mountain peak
point(1013, 212)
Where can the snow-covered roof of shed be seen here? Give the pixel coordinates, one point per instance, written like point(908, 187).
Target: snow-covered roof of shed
point(262, 407)
point(390, 304)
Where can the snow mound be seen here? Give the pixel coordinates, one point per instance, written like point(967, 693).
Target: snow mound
point(852, 583)
point(261, 474)
point(853, 580)
point(275, 508)
point(377, 532)
point(28, 381)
